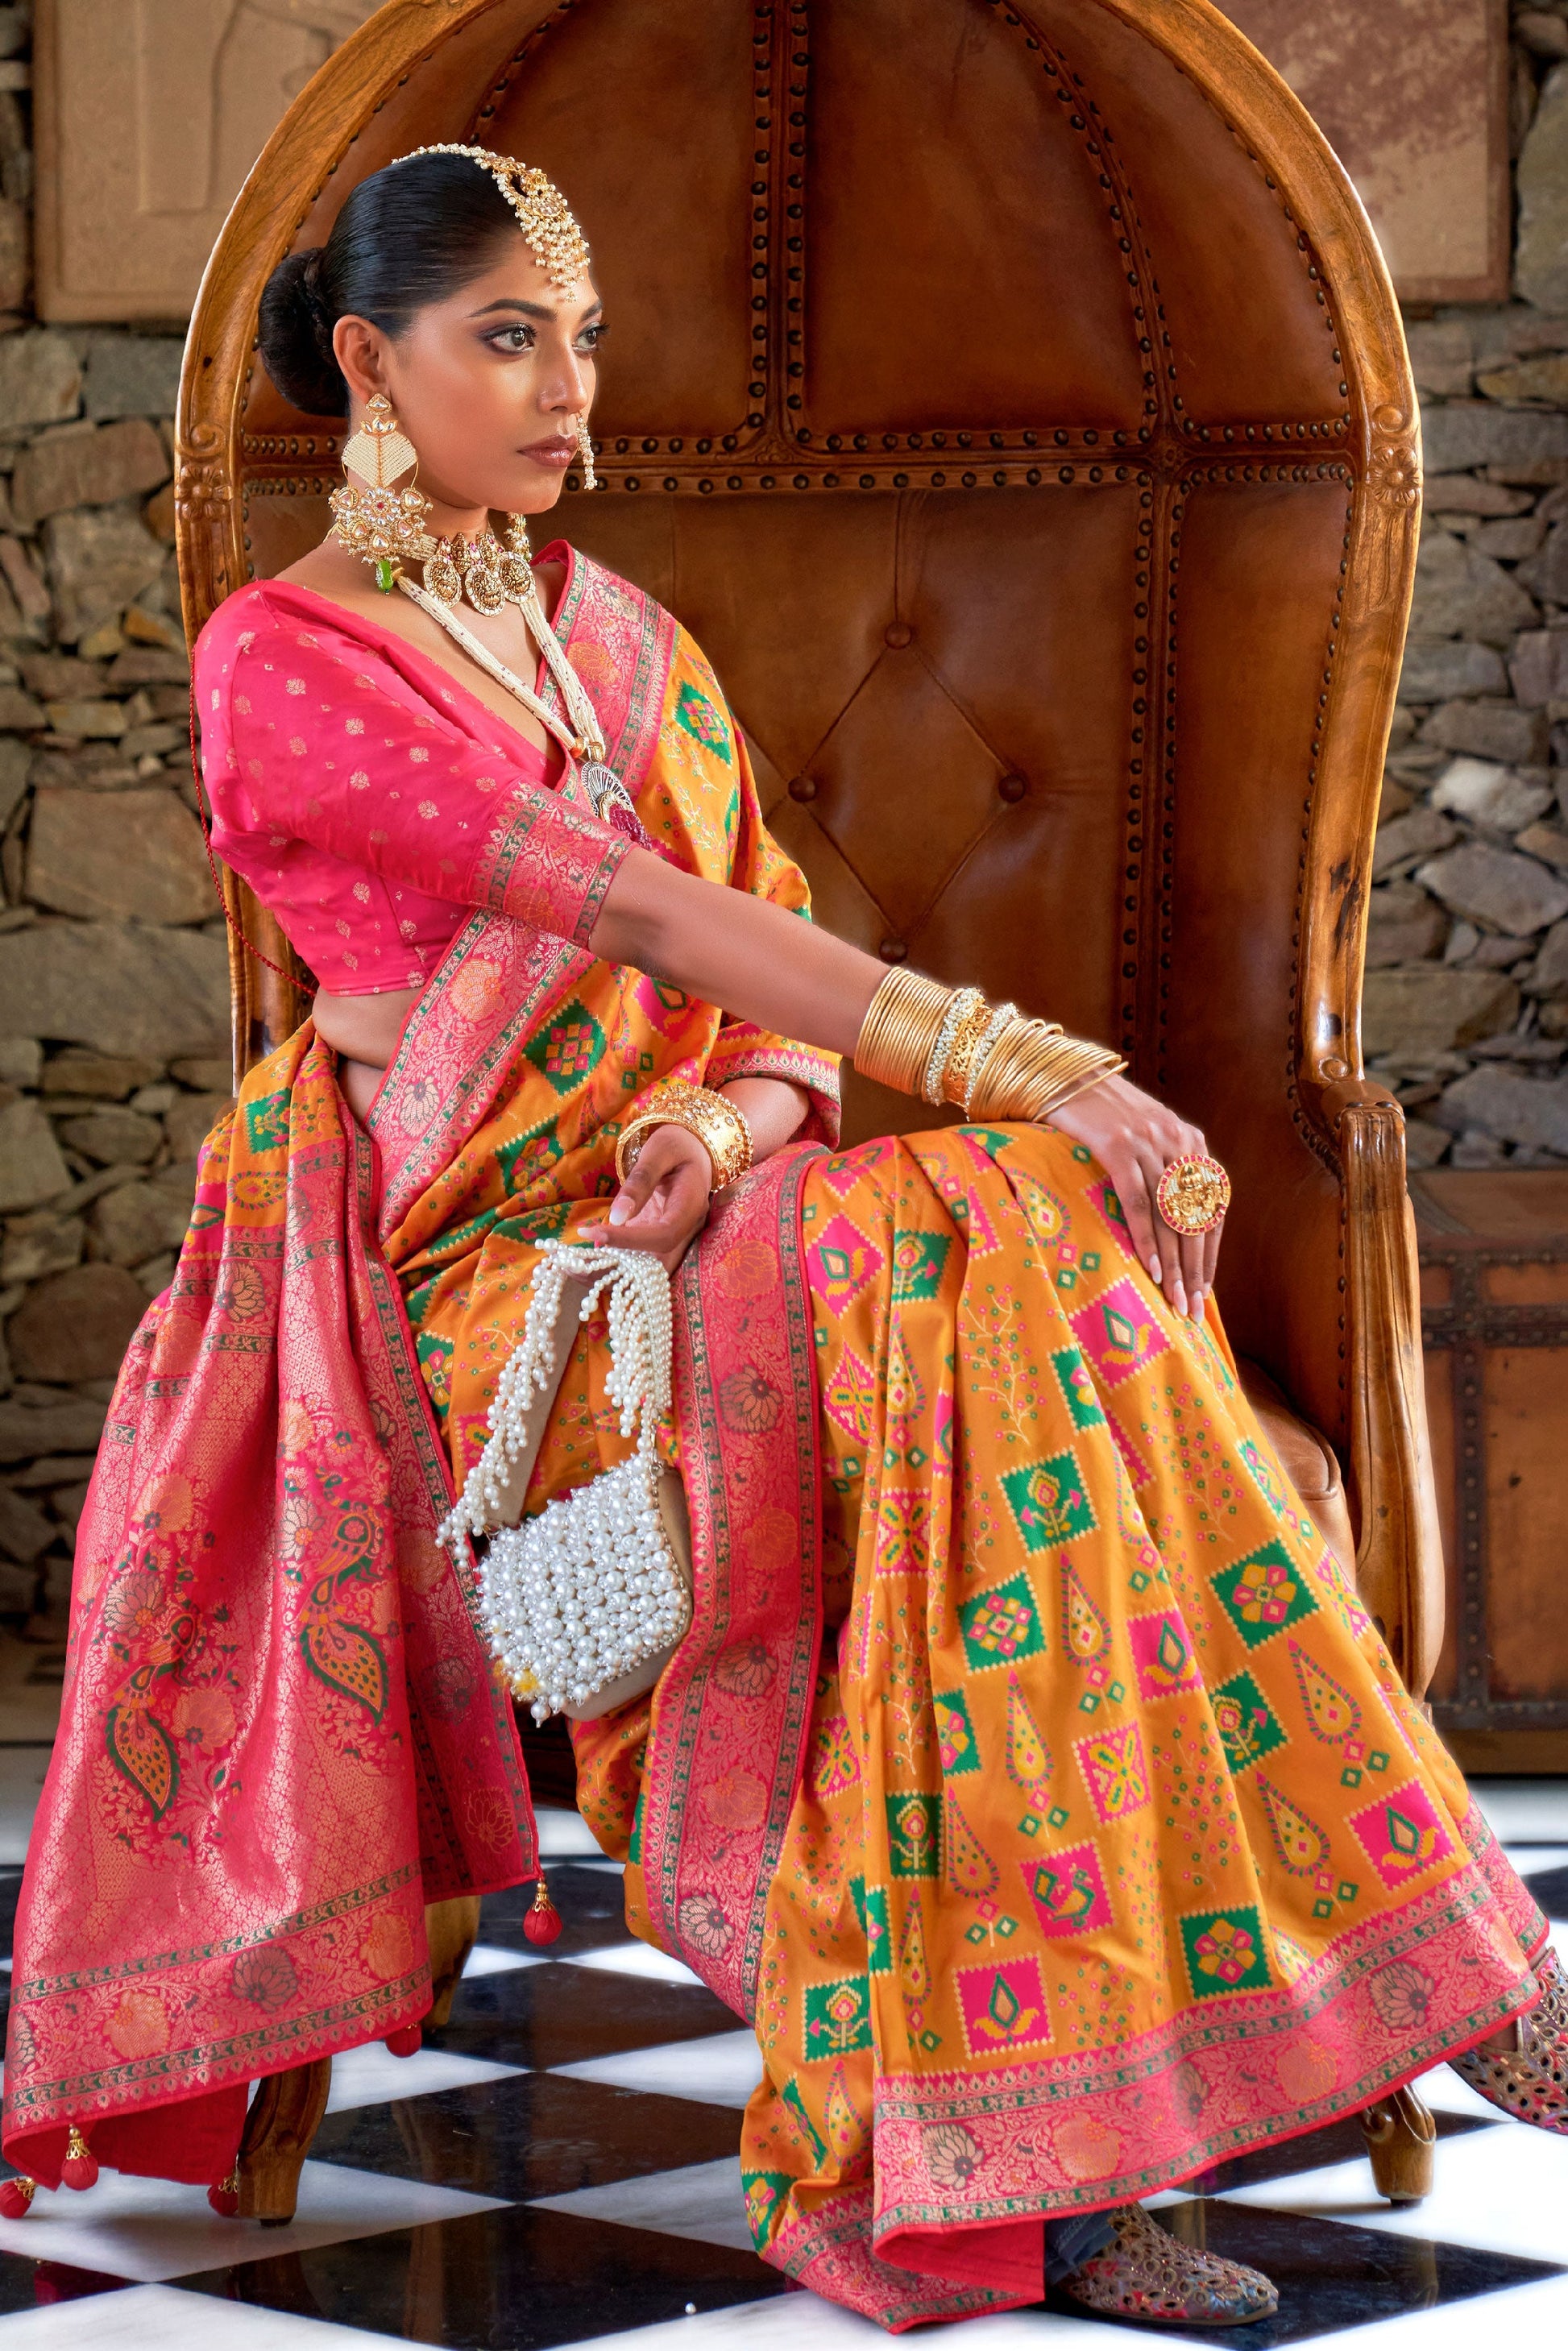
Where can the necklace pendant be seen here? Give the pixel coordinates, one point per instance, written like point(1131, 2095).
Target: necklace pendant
point(604, 788)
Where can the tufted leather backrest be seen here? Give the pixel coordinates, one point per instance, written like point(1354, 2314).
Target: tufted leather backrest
point(1011, 402)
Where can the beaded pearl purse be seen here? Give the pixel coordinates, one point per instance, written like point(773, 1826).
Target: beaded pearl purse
point(586, 1602)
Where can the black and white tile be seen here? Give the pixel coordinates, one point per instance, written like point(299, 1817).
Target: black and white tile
point(557, 2167)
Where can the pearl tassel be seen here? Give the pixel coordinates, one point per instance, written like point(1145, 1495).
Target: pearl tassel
point(588, 1589)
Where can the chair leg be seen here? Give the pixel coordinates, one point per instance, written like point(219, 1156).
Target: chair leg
point(284, 2117)
point(1400, 2137)
point(450, 1929)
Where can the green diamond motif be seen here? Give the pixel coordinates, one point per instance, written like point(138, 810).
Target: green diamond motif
point(1349, 1777)
point(696, 716)
point(1001, 1626)
point(1088, 1703)
point(1138, 1580)
point(266, 1121)
point(1030, 1825)
point(1347, 1892)
point(567, 1048)
point(1090, 1260)
point(1264, 1593)
point(917, 1262)
point(1066, 1277)
point(1322, 1909)
point(930, 2041)
point(838, 2017)
point(1005, 1927)
point(1077, 1389)
point(1248, 1729)
point(976, 1934)
point(1377, 1760)
point(914, 1833)
point(1049, 1501)
point(1058, 1816)
point(1225, 1951)
point(1115, 1693)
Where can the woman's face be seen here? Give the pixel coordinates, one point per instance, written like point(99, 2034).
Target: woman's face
point(487, 384)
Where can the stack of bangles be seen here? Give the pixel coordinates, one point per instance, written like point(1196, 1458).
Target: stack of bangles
point(949, 1045)
point(720, 1126)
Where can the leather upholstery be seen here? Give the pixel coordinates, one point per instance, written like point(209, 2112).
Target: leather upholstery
point(1038, 705)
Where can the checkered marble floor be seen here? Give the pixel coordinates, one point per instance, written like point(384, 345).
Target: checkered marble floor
point(557, 2167)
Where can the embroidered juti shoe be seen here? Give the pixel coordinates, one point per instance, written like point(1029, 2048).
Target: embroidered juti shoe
point(1529, 2080)
point(1146, 2276)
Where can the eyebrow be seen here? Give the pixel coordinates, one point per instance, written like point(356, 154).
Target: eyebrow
point(529, 309)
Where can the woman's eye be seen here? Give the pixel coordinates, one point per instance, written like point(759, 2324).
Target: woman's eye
point(592, 337)
point(512, 340)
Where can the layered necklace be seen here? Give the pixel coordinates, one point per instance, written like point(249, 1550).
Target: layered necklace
point(385, 526)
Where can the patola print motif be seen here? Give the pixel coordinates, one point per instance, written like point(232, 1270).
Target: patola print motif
point(1045, 1932)
point(1030, 1777)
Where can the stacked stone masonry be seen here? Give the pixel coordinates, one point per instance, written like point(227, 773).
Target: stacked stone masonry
point(113, 972)
point(1466, 1008)
point(113, 967)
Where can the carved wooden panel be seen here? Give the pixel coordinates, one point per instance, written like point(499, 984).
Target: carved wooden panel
point(149, 113)
point(1412, 95)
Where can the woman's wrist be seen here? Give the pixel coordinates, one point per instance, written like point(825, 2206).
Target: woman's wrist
point(718, 1124)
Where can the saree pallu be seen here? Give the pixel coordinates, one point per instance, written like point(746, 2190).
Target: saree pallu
point(281, 1735)
point(1062, 1825)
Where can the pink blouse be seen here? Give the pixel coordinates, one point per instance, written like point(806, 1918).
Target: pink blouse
point(371, 801)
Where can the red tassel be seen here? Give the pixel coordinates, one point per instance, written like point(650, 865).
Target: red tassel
point(17, 2196)
point(407, 2040)
point(79, 2168)
point(224, 2195)
point(543, 1922)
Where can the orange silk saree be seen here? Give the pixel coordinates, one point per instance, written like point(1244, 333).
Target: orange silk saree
point(1029, 1776)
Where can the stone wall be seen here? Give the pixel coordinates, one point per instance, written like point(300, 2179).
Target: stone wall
point(1466, 991)
point(112, 962)
point(113, 970)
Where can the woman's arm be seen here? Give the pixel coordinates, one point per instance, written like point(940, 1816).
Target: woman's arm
point(767, 965)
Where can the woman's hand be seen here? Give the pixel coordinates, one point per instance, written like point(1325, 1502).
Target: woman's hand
point(663, 1205)
point(1134, 1138)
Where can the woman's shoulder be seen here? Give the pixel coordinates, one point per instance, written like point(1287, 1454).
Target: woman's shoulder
point(272, 615)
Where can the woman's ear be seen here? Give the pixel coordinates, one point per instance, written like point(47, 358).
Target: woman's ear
point(360, 349)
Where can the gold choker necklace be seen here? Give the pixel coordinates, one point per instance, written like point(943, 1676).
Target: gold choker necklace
point(480, 569)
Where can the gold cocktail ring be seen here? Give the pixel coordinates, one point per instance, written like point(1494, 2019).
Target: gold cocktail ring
point(1193, 1195)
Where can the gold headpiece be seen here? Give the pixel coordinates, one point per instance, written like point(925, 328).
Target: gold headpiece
point(549, 228)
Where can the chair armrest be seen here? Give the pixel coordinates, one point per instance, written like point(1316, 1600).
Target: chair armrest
point(1399, 1558)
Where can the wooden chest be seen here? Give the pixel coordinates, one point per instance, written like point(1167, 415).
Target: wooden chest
point(1494, 1288)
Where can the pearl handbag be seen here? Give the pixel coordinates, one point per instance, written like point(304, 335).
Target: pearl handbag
point(587, 1602)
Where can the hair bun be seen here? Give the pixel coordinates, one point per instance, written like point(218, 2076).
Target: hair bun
point(296, 338)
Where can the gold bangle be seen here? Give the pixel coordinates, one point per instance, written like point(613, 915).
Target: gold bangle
point(1031, 1071)
point(902, 1024)
point(720, 1125)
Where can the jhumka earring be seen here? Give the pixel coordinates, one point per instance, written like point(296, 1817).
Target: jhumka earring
point(377, 522)
point(585, 447)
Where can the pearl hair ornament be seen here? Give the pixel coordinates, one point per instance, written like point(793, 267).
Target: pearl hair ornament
point(589, 1589)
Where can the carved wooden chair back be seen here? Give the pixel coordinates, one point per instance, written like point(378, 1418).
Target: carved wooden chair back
point(1012, 400)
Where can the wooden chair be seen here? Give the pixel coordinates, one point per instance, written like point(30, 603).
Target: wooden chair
point(1013, 401)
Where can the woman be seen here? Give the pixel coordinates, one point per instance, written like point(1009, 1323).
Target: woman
point(1028, 1774)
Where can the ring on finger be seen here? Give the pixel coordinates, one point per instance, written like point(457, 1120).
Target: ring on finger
point(1193, 1195)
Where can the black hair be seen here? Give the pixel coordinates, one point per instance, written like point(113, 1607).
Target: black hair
point(410, 234)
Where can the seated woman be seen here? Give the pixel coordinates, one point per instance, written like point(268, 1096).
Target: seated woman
point(1028, 1774)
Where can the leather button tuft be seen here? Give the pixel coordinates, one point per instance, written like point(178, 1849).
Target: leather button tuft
point(893, 951)
point(898, 633)
point(1012, 788)
point(802, 788)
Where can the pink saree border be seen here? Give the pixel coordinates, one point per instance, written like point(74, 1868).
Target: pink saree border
point(732, 1714)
